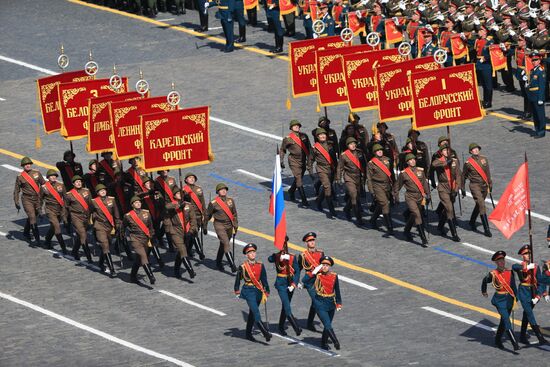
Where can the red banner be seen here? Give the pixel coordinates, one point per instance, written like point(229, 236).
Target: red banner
point(286, 7)
point(331, 83)
point(359, 76)
point(176, 139)
point(250, 4)
point(356, 25)
point(302, 63)
point(74, 104)
point(48, 97)
point(498, 60)
point(100, 133)
point(125, 117)
point(392, 83)
point(458, 47)
point(445, 97)
point(393, 33)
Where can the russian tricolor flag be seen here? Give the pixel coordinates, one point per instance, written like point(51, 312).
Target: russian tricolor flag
point(277, 205)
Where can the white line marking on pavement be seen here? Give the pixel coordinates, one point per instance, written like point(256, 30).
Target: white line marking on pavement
point(214, 28)
point(99, 333)
point(3, 234)
point(30, 66)
point(16, 169)
point(165, 20)
point(2, 99)
point(536, 215)
point(307, 345)
point(80, 262)
point(251, 174)
point(489, 251)
point(459, 318)
point(192, 303)
point(245, 128)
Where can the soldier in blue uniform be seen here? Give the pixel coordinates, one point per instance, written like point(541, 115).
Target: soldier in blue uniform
point(255, 290)
point(238, 15)
point(225, 15)
point(202, 7)
point(504, 298)
point(274, 16)
point(288, 277)
point(535, 94)
point(308, 261)
point(430, 43)
point(483, 66)
point(327, 297)
point(529, 293)
point(327, 20)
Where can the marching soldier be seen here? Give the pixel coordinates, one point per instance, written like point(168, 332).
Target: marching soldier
point(78, 202)
point(106, 219)
point(354, 130)
point(430, 43)
point(164, 184)
point(139, 224)
point(69, 168)
point(417, 196)
point(419, 149)
point(529, 293)
point(134, 178)
point(351, 171)
point(238, 16)
point(52, 194)
point(27, 187)
point(308, 260)
point(183, 227)
point(520, 53)
point(387, 140)
point(194, 195)
point(380, 178)
point(151, 202)
point(504, 298)
point(202, 8)
point(109, 166)
point(448, 183)
point(226, 224)
point(91, 178)
point(327, 297)
point(274, 16)
point(254, 291)
point(476, 169)
point(288, 277)
point(299, 159)
point(483, 66)
point(325, 157)
point(535, 94)
point(324, 123)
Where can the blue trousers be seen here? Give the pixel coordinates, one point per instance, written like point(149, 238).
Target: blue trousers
point(275, 16)
point(504, 304)
point(539, 118)
point(227, 25)
point(484, 71)
point(238, 13)
point(308, 26)
point(325, 308)
point(253, 297)
point(525, 296)
point(281, 284)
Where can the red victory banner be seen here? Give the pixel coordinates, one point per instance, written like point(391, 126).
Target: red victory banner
point(458, 47)
point(250, 4)
point(287, 7)
point(176, 139)
point(393, 33)
point(126, 124)
point(356, 25)
point(100, 132)
point(331, 83)
point(498, 60)
point(445, 97)
point(48, 97)
point(359, 76)
point(302, 63)
point(392, 82)
point(74, 104)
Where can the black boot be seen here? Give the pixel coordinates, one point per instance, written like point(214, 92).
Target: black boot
point(332, 337)
point(177, 266)
point(389, 223)
point(486, 229)
point(242, 34)
point(358, 216)
point(513, 340)
point(523, 337)
point(48, 240)
point(441, 224)
point(149, 273)
point(101, 262)
point(127, 250)
point(75, 251)
point(196, 243)
point(189, 267)
point(539, 335)
point(282, 317)
point(347, 211)
point(317, 187)
point(324, 340)
point(303, 196)
point(498, 336)
point(87, 252)
point(61, 241)
point(36, 234)
point(375, 216)
point(473, 218)
point(294, 324)
point(292, 191)
point(219, 257)
point(267, 335)
point(422, 234)
point(110, 265)
point(27, 230)
point(310, 318)
point(407, 229)
point(454, 234)
point(332, 212)
point(319, 201)
point(133, 273)
point(249, 325)
point(231, 261)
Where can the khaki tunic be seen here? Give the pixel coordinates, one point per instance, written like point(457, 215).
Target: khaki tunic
point(222, 224)
point(29, 198)
point(413, 195)
point(165, 198)
point(379, 184)
point(298, 160)
point(447, 194)
point(80, 217)
point(102, 226)
point(68, 170)
point(324, 169)
point(199, 215)
point(478, 186)
point(353, 176)
point(53, 209)
point(179, 235)
point(139, 240)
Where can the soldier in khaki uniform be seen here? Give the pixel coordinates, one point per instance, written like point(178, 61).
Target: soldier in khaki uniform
point(354, 130)
point(151, 200)
point(194, 195)
point(420, 150)
point(299, 158)
point(388, 143)
point(106, 219)
point(164, 184)
point(449, 181)
point(324, 155)
point(91, 178)
point(183, 227)
point(351, 171)
point(109, 167)
point(139, 224)
point(27, 186)
point(476, 169)
point(69, 168)
point(380, 178)
point(226, 224)
point(52, 194)
point(79, 204)
point(417, 196)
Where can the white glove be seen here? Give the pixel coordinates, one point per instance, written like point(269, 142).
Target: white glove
point(395, 20)
point(338, 308)
point(237, 297)
point(460, 18)
point(301, 286)
point(384, 1)
point(511, 32)
point(315, 35)
point(271, 6)
point(503, 46)
point(317, 269)
point(308, 16)
point(541, 103)
point(531, 266)
point(402, 5)
point(285, 257)
point(476, 21)
point(291, 289)
point(206, 5)
point(440, 17)
point(535, 301)
point(533, 13)
point(529, 34)
point(364, 2)
point(462, 35)
point(358, 13)
point(547, 299)
point(495, 27)
point(421, 7)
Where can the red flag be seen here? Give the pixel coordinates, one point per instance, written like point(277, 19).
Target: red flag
point(509, 215)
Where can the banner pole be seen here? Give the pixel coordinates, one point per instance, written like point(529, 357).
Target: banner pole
point(531, 255)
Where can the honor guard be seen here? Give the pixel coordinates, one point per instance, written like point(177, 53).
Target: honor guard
point(476, 169)
point(254, 291)
point(504, 283)
point(306, 12)
point(469, 23)
point(324, 123)
point(380, 179)
point(520, 53)
point(107, 222)
point(327, 297)
point(141, 233)
point(79, 204)
point(328, 21)
point(69, 168)
point(483, 66)
point(417, 196)
point(448, 184)
point(164, 184)
point(535, 94)
point(52, 194)
point(151, 200)
point(351, 172)
point(183, 227)
point(194, 195)
point(202, 8)
point(299, 159)
point(238, 16)
point(91, 178)
point(529, 293)
point(388, 142)
point(288, 278)
point(324, 156)
point(273, 14)
point(308, 260)
point(419, 149)
point(226, 224)
point(354, 130)
point(109, 166)
point(27, 188)
point(430, 43)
